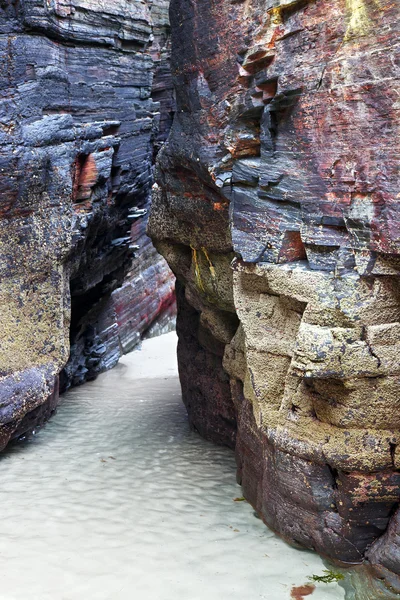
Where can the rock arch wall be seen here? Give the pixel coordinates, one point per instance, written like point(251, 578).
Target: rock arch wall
point(78, 134)
point(278, 209)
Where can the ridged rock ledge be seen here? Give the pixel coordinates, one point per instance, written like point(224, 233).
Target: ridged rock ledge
point(78, 134)
point(278, 210)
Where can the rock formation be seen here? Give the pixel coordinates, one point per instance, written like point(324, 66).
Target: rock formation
point(78, 134)
point(278, 210)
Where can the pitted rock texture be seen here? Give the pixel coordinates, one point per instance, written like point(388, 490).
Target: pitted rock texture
point(78, 129)
point(278, 211)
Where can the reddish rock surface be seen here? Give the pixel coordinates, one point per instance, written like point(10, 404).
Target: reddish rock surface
point(277, 209)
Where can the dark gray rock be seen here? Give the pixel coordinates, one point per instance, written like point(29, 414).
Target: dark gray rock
point(78, 133)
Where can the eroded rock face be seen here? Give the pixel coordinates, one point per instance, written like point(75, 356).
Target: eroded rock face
point(278, 211)
point(78, 128)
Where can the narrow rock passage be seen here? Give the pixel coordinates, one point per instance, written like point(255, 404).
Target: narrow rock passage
point(115, 499)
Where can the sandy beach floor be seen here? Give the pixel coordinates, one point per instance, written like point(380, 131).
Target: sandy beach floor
point(116, 499)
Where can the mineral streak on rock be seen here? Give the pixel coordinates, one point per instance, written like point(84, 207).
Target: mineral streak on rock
point(77, 133)
point(278, 211)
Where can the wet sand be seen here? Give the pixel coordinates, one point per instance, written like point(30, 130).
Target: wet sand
point(116, 499)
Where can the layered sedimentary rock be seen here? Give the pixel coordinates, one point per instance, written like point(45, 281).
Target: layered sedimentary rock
point(278, 211)
point(77, 133)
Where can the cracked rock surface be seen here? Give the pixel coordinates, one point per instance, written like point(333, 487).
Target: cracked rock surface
point(277, 209)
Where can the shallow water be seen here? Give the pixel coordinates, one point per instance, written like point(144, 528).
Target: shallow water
point(115, 499)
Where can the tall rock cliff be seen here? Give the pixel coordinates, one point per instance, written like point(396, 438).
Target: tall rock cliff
point(78, 133)
point(278, 210)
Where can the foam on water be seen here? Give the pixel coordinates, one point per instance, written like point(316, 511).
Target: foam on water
point(115, 499)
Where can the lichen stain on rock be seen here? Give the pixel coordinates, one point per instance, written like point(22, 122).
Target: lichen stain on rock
point(359, 17)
